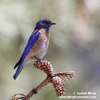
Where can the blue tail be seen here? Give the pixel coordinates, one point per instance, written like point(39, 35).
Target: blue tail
point(17, 72)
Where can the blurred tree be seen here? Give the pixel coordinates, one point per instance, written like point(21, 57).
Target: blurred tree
point(74, 44)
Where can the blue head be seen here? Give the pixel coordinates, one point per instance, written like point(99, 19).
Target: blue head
point(44, 23)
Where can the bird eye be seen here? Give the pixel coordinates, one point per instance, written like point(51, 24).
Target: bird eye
point(46, 22)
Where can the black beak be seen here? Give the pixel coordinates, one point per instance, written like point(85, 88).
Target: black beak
point(53, 23)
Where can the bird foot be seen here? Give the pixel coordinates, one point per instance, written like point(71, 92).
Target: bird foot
point(37, 58)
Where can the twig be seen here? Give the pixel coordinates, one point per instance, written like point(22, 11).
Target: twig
point(39, 87)
point(55, 78)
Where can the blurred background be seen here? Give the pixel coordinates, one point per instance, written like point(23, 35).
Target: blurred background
point(74, 45)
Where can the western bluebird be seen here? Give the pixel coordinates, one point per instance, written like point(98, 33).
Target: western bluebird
point(37, 45)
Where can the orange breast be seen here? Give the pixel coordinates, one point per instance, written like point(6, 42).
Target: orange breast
point(44, 35)
point(42, 38)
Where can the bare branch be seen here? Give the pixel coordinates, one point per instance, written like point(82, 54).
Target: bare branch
point(57, 79)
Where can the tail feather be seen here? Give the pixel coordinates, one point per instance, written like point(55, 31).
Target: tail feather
point(19, 62)
point(17, 72)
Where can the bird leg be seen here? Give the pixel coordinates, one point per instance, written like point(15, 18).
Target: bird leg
point(37, 58)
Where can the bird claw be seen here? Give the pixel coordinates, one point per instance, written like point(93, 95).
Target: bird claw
point(37, 58)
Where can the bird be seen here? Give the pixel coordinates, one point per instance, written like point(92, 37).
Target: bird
point(36, 47)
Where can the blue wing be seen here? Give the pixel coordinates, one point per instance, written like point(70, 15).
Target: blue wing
point(32, 40)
